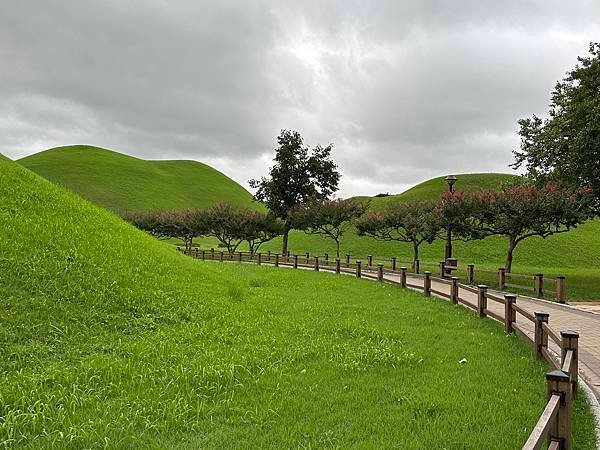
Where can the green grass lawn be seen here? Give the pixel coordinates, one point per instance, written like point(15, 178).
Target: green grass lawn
point(120, 182)
point(111, 339)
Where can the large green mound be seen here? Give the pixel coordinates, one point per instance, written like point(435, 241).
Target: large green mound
point(110, 338)
point(124, 183)
point(432, 189)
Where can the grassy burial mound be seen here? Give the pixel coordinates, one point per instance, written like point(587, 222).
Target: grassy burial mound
point(123, 183)
point(111, 338)
point(431, 189)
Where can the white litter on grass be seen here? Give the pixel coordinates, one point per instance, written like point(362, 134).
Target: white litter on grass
point(463, 361)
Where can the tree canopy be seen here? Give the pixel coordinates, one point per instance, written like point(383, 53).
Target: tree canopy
point(299, 176)
point(566, 146)
point(329, 218)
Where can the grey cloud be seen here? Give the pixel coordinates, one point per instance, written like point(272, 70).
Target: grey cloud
point(405, 90)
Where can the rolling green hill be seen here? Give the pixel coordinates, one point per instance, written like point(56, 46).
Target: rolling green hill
point(110, 338)
point(431, 189)
point(3, 157)
point(120, 182)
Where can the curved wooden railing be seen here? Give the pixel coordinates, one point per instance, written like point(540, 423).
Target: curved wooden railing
point(554, 425)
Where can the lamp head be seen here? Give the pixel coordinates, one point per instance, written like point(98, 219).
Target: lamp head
point(450, 179)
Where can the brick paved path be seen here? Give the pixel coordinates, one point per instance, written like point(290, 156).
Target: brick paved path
point(562, 317)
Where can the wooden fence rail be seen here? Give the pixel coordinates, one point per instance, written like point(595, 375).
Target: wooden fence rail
point(554, 424)
point(538, 284)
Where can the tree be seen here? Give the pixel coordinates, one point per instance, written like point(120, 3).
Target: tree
point(298, 176)
point(566, 146)
point(225, 223)
point(258, 228)
point(329, 218)
point(414, 223)
point(184, 224)
point(520, 212)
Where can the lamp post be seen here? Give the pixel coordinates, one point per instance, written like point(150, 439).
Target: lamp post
point(450, 179)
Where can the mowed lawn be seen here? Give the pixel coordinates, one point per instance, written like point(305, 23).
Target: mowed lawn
point(111, 339)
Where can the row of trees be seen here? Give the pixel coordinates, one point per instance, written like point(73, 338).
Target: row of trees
point(229, 225)
point(516, 212)
point(232, 226)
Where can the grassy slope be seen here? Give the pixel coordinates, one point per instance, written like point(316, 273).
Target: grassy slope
point(120, 182)
point(431, 189)
point(110, 338)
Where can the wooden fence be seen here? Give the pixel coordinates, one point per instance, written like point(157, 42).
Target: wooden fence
point(554, 425)
point(537, 284)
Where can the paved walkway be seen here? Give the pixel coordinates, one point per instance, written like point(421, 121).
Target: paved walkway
point(562, 318)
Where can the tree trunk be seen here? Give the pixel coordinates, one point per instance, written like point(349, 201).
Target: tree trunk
point(415, 251)
point(509, 255)
point(286, 233)
point(337, 248)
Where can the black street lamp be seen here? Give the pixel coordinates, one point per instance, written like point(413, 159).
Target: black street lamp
point(450, 179)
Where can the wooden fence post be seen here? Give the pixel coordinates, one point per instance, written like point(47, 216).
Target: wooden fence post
point(316, 263)
point(470, 273)
point(276, 259)
point(403, 277)
point(510, 315)
point(541, 337)
point(442, 269)
point(393, 263)
point(416, 266)
point(369, 261)
point(358, 269)
point(450, 262)
point(212, 253)
point(502, 277)
point(295, 261)
point(454, 290)
point(337, 265)
point(427, 283)
point(259, 259)
point(560, 289)
point(481, 299)
point(268, 255)
point(347, 260)
point(570, 341)
point(196, 252)
point(379, 272)
point(538, 286)
point(326, 259)
point(221, 257)
point(307, 257)
point(202, 255)
point(239, 256)
point(560, 430)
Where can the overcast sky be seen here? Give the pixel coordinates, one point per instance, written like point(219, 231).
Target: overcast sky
point(405, 90)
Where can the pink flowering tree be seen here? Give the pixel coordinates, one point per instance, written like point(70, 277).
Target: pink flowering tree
point(522, 211)
point(413, 223)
